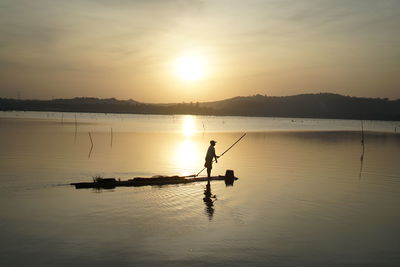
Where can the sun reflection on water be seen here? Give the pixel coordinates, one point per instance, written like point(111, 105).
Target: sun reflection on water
point(187, 159)
point(188, 126)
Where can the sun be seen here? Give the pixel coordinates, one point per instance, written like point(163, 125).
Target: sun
point(189, 67)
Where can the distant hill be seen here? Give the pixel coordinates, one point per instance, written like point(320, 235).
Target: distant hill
point(323, 105)
point(97, 105)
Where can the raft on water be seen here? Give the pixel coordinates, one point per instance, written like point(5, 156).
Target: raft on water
point(109, 183)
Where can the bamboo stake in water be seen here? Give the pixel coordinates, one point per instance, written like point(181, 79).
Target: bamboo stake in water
point(363, 150)
point(91, 147)
point(76, 129)
point(362, 135)
point(111, 137)
point(91, 140)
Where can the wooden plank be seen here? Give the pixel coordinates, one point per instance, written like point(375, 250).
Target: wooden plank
point(109, 183)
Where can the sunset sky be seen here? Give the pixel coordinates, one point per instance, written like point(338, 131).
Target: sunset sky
point(193, 50)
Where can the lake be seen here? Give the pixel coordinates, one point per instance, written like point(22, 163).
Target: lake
point(307, 195)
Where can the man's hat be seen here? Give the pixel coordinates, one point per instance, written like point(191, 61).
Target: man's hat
point(213, 142)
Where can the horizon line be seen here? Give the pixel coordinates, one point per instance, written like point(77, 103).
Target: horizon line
point(193, 101)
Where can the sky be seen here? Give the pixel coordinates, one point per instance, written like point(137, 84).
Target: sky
point(132, 49)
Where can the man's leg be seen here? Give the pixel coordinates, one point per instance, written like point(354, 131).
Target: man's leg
point(208, 172)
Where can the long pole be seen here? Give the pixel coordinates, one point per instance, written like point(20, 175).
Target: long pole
point(237, 141)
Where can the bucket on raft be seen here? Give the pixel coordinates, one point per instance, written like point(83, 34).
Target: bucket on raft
point(229, 177)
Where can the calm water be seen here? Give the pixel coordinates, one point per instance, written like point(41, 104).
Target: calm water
point(304, 198)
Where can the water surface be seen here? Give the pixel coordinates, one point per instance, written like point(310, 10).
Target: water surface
point(303, 196)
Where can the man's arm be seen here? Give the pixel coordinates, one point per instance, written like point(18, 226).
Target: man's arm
point(216, 157)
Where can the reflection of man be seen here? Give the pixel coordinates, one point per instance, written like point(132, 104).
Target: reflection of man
point(210, 156)
point(208, 200)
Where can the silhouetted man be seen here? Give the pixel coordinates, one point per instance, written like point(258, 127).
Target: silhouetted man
point(210, 156)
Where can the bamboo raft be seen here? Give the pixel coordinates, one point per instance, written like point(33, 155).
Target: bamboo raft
point(110, 183)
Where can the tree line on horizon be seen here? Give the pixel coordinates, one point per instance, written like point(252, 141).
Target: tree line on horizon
point(323, 105)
